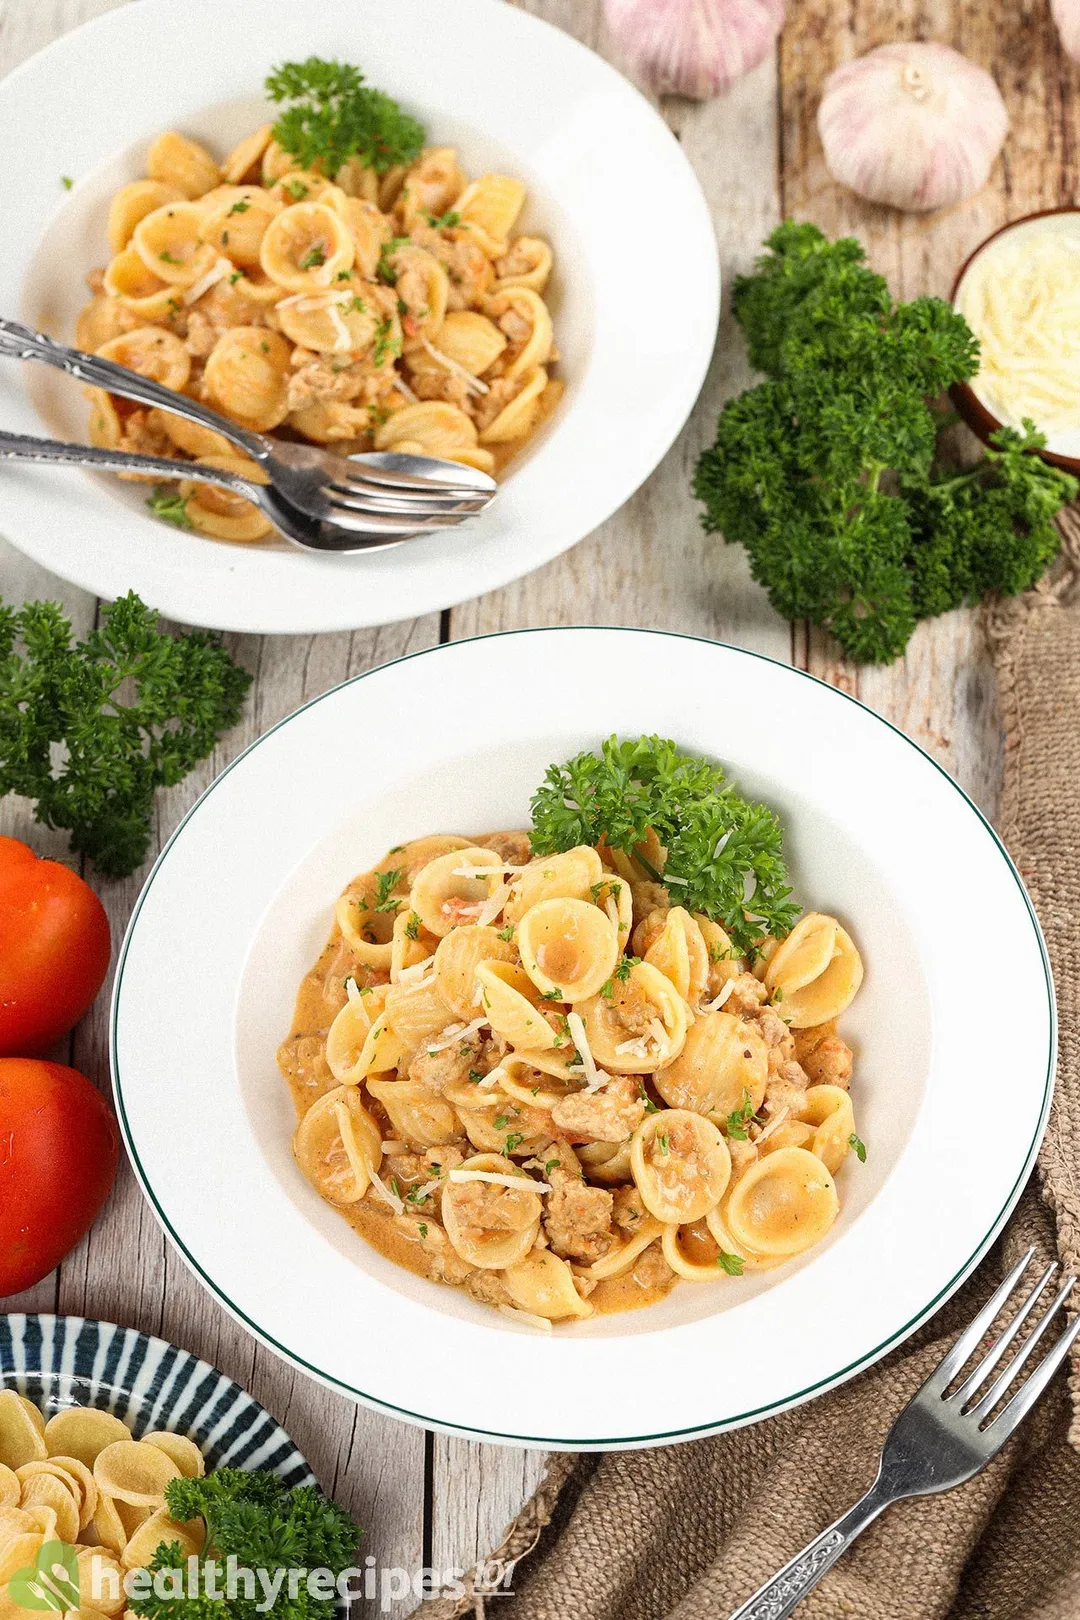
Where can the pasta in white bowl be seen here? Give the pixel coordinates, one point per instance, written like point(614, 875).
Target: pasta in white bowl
point(511, 97)
point(240, 907)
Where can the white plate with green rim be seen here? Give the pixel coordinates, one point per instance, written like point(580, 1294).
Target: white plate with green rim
point(608, 184)
point(456, 739)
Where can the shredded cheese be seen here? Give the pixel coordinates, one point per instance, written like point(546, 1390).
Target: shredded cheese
point(594, 1077)
point(500, 1178)
point(454, 1033)
point(773, 1125)
point(1021, 298)
point(403, 388)
point(493, 1077)
point(527, 1318)
point(637, 1048)
point(418, 970)
point(393, 1145)
point(391, 1198)
point(473, 384)
point(352, 990)
point(221, 267)
point(718, 1001)
point(493, 905)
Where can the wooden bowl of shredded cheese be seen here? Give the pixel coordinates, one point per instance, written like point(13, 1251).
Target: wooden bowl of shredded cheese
point(1020, 293)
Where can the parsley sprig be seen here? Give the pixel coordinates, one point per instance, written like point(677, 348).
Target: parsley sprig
point(91, 729)
point(262, 1524)
point(724, 853)
point(335, 116)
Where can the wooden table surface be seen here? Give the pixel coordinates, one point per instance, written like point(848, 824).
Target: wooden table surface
point(423, 1499)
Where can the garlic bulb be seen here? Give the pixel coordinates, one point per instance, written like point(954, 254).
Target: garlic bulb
point(916, 126)
point(694, 47)
point(1066, 13)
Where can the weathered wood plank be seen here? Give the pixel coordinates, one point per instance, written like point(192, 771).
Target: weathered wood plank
point(942, 693)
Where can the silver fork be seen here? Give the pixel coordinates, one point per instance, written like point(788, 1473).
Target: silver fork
point(344, 490)
point(940, 1439)
point(312, 534)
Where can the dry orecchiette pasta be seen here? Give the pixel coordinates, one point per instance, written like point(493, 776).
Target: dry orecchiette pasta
point(512, 1076)
point(357, 310)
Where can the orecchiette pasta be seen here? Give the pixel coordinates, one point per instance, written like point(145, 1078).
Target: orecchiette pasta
point(392, 311)
point(496, 1094)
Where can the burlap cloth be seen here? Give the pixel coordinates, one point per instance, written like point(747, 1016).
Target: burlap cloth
point(688, 1532)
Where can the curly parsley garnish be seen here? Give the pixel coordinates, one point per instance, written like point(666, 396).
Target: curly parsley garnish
point(724, 854)
point(858, 1147)
point(335, 116)
point(167, 503)
point(731, 1263)
point(739, 1118)
point(385, 884)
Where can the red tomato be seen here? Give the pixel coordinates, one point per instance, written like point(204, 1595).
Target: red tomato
point(54, 949)
point(58, 1152)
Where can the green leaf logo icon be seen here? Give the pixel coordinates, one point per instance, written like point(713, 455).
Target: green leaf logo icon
point(52, 1583)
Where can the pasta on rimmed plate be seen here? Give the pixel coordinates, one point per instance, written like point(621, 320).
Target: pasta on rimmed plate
point(541, 1079)
point(356, 304)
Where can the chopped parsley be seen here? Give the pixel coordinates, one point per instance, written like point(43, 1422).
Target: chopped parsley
point(313, 258)
point(443, 222)
point(385, 341)
point(422, 1229)
point(501, 1121)
point(385, 270)
point(550, 1165)
point(607, 990)
point(66, 181)
point(663, 1142)
point(731, 1263)
point(858, 1147)
point(514, 1141)
point(298, 190)
point(412, 926)
point(739, 1118)
point(622, 972)
point(169, 258)
point(169, 505)
point(334, 115)
point(553, 995)
point(385, 884)
point(507, 933)
point(235, 277)
point(241, 206)
point(418, 1195)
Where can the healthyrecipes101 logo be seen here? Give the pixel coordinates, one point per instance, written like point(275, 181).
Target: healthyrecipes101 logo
point(51, 1582)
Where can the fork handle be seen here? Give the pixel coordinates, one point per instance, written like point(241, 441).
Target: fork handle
point(18, 342)
point(778, 1597)
point(23, 447)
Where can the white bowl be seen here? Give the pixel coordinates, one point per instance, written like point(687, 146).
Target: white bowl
point(635, 296)
point(953, 1029)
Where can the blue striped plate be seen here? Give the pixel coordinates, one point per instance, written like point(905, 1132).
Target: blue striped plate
point(61, 1361)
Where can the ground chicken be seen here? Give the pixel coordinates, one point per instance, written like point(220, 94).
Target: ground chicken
point(826, 1058)
point(435, 382)
point(648, 931)
point(442, 1261)
point(746, 995)
point(652, 1270)
point(489, 1288)
point(788, 1090)
point(486, 407)
point(648, 897)
point(578, 1217)
point(319, 378)
point(450, 1066)
point(609, 1115)
point(629, 1209)
point(302, 1060)
point(775, 1032)
point(514, 846)
point(743, 1155)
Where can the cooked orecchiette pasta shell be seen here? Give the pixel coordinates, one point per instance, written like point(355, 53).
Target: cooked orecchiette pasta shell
point(568, 948)
point(621, 1259)
point(304, 186)
point(815, 972)
point(337, 1145)
point(640, 1027)
point(606, 1162)
point(526, 263)
point(347, 1038)
point(516, 1211)
point(368, 923)
point(493, 204)
point(369, 229)
point(237, 225)
point(751, 1259)
point(390, 186)
point(699, 1262)
point(417, 1114)
point(784, 1203)
point(723, 1058)
point(432, 184)
point(436, 428)
point(524, 312)
point(445, 894)
point(220, 512)
point(105, 428)
point(526, 1083)
point(558, 1061)
point(470, 340)
point(471, 455)
point(254, 286)
point(101, 319)
point(127, 278)
point(276, 162)
point(174, 159)
point(457, 958)
point(333, 322)
point(356, 179)
point(152, 352)
point(680, 1164)
point(790, 1133)
point(409, 946)
point(679, 952)
point(169, 242)
point(544, 1285)
point(247, 374)
point(417, 1013)
point(615, 897)
point(511, 1003)
point(191, 437)
point(413, 856)
point(724, 960)
point(131, 204)
point(571, 875)
point(517, 418)
point(330, 421)
point(306, 246)
point(243, 161)
point(828, 1112)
